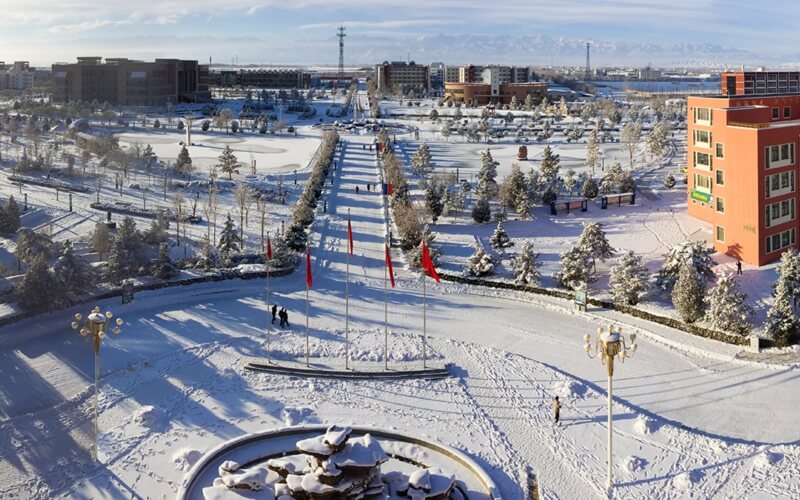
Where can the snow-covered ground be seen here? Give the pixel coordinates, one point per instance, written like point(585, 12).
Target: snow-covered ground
point(692, 420)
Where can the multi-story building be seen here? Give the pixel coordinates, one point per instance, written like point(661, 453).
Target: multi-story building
point(17, 76)
point(263, 78)
point(403, 76)
point(451, 74)
point(743, 166)
point(648, 73)
point(482, 94)
point(125, 82)
point(470, 73)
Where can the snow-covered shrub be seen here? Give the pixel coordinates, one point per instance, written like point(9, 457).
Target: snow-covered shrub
point(629, 279)
point(687, 295)
point(526, 265)
point(479, 263)
point(499, 238)
point(726, 307)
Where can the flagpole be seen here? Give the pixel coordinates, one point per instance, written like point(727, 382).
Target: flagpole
point(385, 316)
point(347, 300)
point(307, 250)
point(269, 348)
point(424, 322)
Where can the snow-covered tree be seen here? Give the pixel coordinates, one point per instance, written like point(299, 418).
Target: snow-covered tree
point(726, 307)
point(694, 252)
point(688, 293)
point(550, 166)
point(487, 183)
point(434, 201)
point(589, 189)
point(101, 239)
point(229, 241)
point(626, 184)
point(164, 268)
point(31, 244)
point(183, 164)
point(421, 161)
point(576, 269)
point(789, 271)
point(479, 263)
point(38, 290)
point(433, 248)
point(549, 195)
point(669, 181)
point(281, 256)
point(73, 274)
point(228, 163)
point(499, 239)
point(629, 137)
point(526, 265)
point(570, 181)
point(629, 278)
point(9, 217)
point(513, 187)
point(593, 242)
point(122, 259)
point(296, 236)
point(157, 232)
point(657, 140)
point(523, 205)
point(782, 323)
point(207, 259)
point(482, 212)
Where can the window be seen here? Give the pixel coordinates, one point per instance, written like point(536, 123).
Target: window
point(720, 234)
point(780, 212)
point(702, 138)
point(702, 183)
point(779, 155)
point(720, 205)
point(702, 116)
point(720, 177)
point(781, 240)
point(776, 113)
point(702, 160)
point(720, 151)
point(787, 112)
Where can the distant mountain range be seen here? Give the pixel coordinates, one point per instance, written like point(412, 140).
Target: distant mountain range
point(544, 50)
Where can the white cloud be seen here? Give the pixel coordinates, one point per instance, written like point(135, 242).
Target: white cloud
point(81, 27)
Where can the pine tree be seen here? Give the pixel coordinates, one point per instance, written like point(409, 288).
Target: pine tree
point(789, 271)
point(594, 243)
point(694, 252)
point(421, 161)
point(550, 166)
point(481, 212)
point(433, 249)
point(281, 256)
point(727, 308)
point(157, 233)
point(433, 200)
point(513, 187)
point(487, 183)
point(122, 262)
point(629, 137)
point(31, 244)
point(523, 205)
point(183, 164)
point(589, 189)
point(526, 265)
point(479, 263)
point(657, 140)
point(229, 241)
point(73, 274)
point(207, 259)
point(499, 238)
point(228, 163)
point(9, 217)
point(782, 323)
point(576, 269)
point(38, 290)
point(626, 184)
point(534, 185)
point(164, 268)
point(629, 278)
point(687, 296)
point(296, 237)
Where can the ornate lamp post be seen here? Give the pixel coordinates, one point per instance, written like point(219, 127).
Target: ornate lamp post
point(95, 325)
point(610, 344)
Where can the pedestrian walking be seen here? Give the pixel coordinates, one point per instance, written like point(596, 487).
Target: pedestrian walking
point(356, 189)
point(556, 409)
point(738, 266)
point(369, 187)
point(274, 312)
point(286, 317)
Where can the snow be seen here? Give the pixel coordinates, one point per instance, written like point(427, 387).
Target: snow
point(692, 417)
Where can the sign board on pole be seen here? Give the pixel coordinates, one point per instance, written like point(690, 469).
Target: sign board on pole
point(580, 300)
point(127, 292)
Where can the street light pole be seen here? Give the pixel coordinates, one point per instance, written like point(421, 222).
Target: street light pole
point(610, 344)
point(95, 324)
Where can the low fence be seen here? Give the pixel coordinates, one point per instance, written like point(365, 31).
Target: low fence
point(630, 310)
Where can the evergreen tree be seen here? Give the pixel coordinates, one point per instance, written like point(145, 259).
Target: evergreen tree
point(782, 323)
point(657, 140)
point(523, 205)
point(38, 290)
point(31, 244)
point(589, 189)
point(789, 271)
point(101, 239)
point(550, 166)
point(164, 268)
point(73, 274)
point(207, 259)
point(549, 195)
point(481, 212)
point(526, 265)
point(157, 233)
point(479, 263)
point(499, 238)
point(122, 262)
point(487, 183)
point(513, 187)
point(694, 252)
point(433, 199)
point(10, 217)
point(534, 186)
point(612, 178)
point(687, 296)
point(433, 249)
point(228, 163)
point(626, 184)
point(296, 237)
point(281, 256)
point(183, 164)
point(594, 243)
point(629, 278)
point(421, 161)
point(229, 241)
point(576, 269)
point(727, 308)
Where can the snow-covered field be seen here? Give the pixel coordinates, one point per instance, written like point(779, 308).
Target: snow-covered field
point(693, 418)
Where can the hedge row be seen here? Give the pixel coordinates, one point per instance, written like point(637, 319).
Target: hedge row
point(63, 186)
point(131, 210)
point(630, 310)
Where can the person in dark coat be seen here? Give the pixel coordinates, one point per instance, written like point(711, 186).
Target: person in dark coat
point(738, 266)
point(356, 189)
point(274, 312)
point(556, 409)
point(280, 315)
point(285, 317)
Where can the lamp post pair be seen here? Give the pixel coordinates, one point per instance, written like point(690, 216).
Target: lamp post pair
point(610, 345)
point(95, 324)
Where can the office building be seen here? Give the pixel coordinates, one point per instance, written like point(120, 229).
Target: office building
point(393, 76)
point(17, 76)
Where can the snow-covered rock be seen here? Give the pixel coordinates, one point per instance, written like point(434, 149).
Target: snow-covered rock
point(185, 458)
point(645, 425)
point(767, 459)
point(149, 416)
point(634, 464)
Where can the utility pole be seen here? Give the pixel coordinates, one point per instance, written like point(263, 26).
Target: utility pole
point(588, 72)
point(340, 34)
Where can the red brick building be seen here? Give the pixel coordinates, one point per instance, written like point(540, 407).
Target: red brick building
point(742, 172)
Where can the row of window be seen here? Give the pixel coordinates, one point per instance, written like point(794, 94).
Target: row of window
point(780, 212)
point(704, 182)
point(780, 241)
point(776, 112)
point(780, 155)
point(779, 184)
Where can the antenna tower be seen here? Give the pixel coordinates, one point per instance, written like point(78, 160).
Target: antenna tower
point(588, 71)
point(340, 34)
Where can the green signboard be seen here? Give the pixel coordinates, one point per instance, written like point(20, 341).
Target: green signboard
point(700, 196)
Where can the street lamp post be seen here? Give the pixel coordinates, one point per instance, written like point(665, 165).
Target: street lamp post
point(95, 324)
point(610, 344)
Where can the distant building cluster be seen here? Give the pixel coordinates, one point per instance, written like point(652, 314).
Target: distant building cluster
point(482, 85)
point(263, 78)
point(126, 82)
point(17, 76)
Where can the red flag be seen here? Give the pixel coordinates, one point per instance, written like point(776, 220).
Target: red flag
point(350, 235)
point(309, 279)
point(389, 189)
point(427, 263)
point(389, 264)
point(269, 249)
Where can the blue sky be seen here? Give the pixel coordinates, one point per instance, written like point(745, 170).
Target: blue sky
point(302, 31)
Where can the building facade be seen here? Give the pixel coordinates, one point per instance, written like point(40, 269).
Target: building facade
point(272, 78)
point(743, 166)
point(17, 76)
point(481, 94)
point(125, 82)
point(401, 75)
